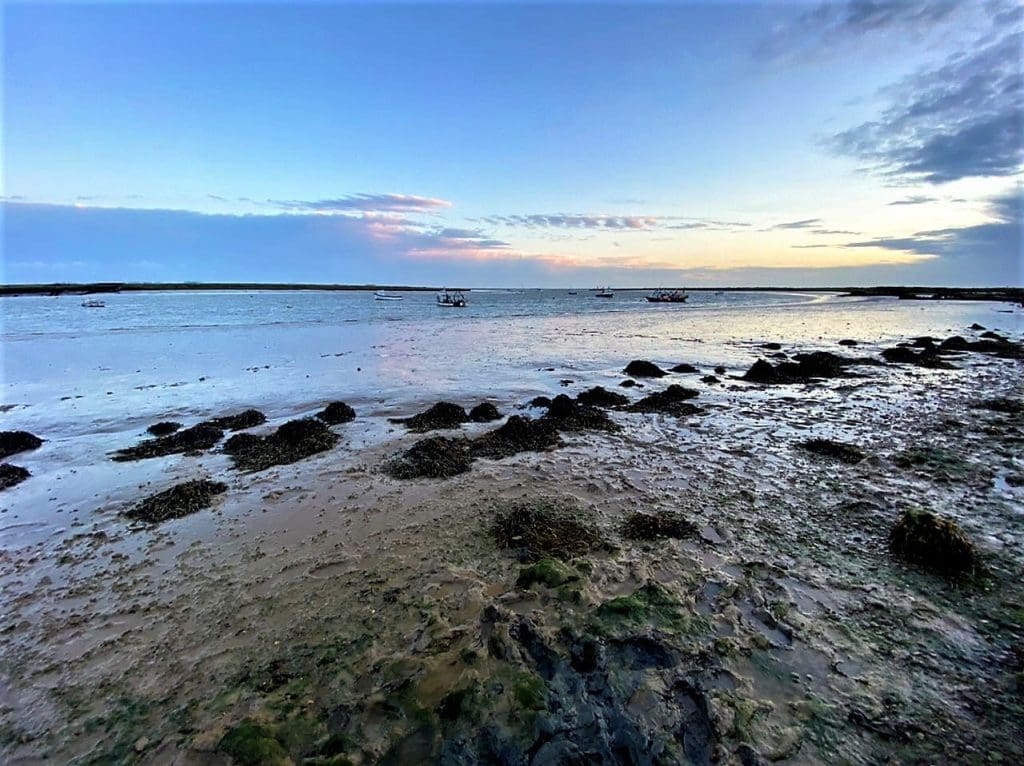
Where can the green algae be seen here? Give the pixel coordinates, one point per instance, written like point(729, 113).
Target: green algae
point(547, 572)
point(251, 744)
point(650, 604)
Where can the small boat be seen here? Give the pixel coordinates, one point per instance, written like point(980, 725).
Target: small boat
point(668, 296)
point(572, 292)
point(604, 292)
point(451, 299)
point(94, 304)
point(383, 296)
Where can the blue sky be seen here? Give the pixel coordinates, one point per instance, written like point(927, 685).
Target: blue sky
point(495, 144)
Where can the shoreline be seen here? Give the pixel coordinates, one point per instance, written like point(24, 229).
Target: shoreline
point(782, 629)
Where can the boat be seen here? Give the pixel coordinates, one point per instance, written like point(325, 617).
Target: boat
point(604, 292)
point(668, 296)
point(572, 292)
point(380, 295)
point(94, 304)
point(451, 299)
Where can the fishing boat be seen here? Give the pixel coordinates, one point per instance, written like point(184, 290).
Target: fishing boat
point(668, 296)
point(94, 304)
point(451, 299)
point(604, 292)
point(380, 295)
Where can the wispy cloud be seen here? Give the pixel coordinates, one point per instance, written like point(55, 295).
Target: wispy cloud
point(621, 223)
point(394, 203)
point(804, 224)
point(916, 199)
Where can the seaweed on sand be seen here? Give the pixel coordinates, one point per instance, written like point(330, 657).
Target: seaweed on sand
point(336, 413)
point(293, 441)
point(657, 526)
point(640, 368)
point(933, 542)
point(434, 457)
point(246, 419)
point(12, 474)
point(180, 500)
point(517, 434)
point(195, 439)
point(844, 453)
point(569, 415)
point(163, 428)
point(598, 396)
point(484, 412)
point(671, 401)
point(545, 529)
point(440, 416)
point(13, 442)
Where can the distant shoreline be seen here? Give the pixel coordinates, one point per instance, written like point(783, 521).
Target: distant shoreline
point(1012, 294)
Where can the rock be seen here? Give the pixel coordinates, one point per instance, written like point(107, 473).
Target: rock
point(13, 442)
point(933, 542)
point(639, 368)
point(993, 336)
point(517, 434)
point(293, 441)
point(848, 342)
point(12, 474)
point(246, 419)
point(540, 402)
point(977, 326)
point(656, 526)
point(599, 396)
point(1004, 405)
point(547, 572)
point(899, 355)
point(253, 744)
point(545, 529)
point(762, 372)
point(435, 457)
point(671, 401)
point(141, 744)
point(955, 343)
point(484, 412)
point(163, 428)
point(845, 453)
point(628, 383)
point(569, 415)
point(710, 379)
point(336, 413)
point(180, 500)
point(804, 368)
point(720, 371)
point(772, 346)
point(443, 415)
point(195, 439)
point(684, 368)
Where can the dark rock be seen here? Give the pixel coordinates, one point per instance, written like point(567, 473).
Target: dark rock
point(772, 346)
point(13, 442)
point(639, 368)
point(928, 358)
point(484, 412)
point(656, 526)
point(545, 529)
point(180, 500)
point(628, 383)
point(540, 402)
point(12, 474)
point(569, 415)
point(337, 413)
point(565, 382)
point(993, 336)
point(163, 428)
point(848, 342)
point(293, 441)
point(253, 744)
point(442, 415)
point(955, 343)
point(1004, 405)
point(720, 371)
point(517, 434)
point(845, 453)
point(195, 439)
point(598, 396)
point(435, 457)
point(977, 326)
point(803, 368)
point(934, 542)
point(710, 379)
point(762, 372)
point(246, 419)
point(899, 355)
point(671, 401)
point(684, 368)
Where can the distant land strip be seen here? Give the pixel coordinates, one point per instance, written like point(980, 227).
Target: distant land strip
point(1012, 294)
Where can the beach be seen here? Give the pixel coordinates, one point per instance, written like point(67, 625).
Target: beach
point(337, 609)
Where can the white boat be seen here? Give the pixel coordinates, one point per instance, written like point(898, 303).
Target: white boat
point(604, 292)
point(451, 299)
point(94, 304)
point(382, 296)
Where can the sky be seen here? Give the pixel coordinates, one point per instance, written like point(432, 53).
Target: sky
point(531, 144)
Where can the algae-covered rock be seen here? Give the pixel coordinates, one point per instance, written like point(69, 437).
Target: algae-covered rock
point(568, 415)
point(246, 419)
point(934, 542)
point(163, 428)
point(547, 572)
point(640, 368)
point(651, 605)
point(545, 529)
point(845, 453)
point(180, 500)
point(336, 413)
point(672, 401)
point(484, 412)
point(253, 744)
point(435, 457)
point(517, 434)
point(443, 415)
point(804, 368)
point(12, 474)
point(13, 442)
point(195, 439)
point(599, 396)
point(291, 442)
point(656, 526)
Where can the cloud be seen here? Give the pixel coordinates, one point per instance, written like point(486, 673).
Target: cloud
point(622, 223)
point(916, 199)
point(960, 120)
point(834, 231)
point(804, 224)
point(394, 203)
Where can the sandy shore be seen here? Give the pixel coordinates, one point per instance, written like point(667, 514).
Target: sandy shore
point(324, 612)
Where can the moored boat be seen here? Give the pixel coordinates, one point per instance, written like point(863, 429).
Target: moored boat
point(668, 296)
point(451, 299)
point(383, 296)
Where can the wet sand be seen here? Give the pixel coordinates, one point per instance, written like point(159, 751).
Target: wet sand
point(324, 612)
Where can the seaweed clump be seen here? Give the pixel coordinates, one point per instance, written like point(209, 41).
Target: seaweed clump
point(544, 529)
point(640, 368)
point(484, 412)
point(12, 474)
point(442, 415)
point(336, 413)
point(195, 439)
point(599, 396)
point(163, 428)
point(657, 526)
point(933, 542)
point(246, 419)
point(569, 415)
point(252, 744)
point(13, 442)
point(517, 434)
point(180, 500)
point(671, 401)
point(291, 442)
point(435, 457)
point(844, 453)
